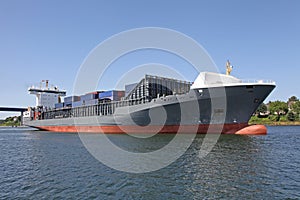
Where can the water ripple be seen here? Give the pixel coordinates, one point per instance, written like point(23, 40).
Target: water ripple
point(43, 165)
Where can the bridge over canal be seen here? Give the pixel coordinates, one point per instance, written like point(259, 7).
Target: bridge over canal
point(14, 109)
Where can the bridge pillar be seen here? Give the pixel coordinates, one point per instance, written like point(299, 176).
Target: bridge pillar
point(21, 122)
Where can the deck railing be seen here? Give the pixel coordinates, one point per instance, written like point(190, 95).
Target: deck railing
point(101, 109)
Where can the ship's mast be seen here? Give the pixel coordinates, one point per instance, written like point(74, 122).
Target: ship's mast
point(47, 83)
point(228, 68)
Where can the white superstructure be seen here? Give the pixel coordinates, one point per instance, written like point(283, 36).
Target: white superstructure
point(46, 96)
point(211, 79)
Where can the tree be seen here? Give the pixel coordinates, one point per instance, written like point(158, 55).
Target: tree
point(278, 108)
point(296, 107)
point(262, 108)
point(293, 99)
point(291, 116)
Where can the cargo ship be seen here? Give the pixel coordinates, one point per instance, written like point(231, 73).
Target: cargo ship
point(212, 103)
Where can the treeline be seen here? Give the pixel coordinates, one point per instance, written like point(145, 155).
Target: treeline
point(278, 111)
point(11, 121)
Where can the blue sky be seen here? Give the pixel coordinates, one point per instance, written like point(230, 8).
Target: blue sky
point(50, 39)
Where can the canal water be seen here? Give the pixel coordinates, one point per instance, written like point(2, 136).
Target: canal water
point(45, 165)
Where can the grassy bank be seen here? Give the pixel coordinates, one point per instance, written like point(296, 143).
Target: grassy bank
point(272, 121)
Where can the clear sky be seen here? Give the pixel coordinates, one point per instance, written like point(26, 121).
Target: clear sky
point(50, 39)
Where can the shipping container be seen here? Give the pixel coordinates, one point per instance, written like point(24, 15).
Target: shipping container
point(68, 104)
point(105, 94)
point(71, 99)
point(87, 97)
point(91, 95)
point(76, 104)
point(121, 93)
point(90, 102)
point(114, 95)
point(95, 92)
point(59, 105)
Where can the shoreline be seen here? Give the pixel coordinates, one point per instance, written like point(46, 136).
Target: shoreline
point(13, 126)
point(297, 123)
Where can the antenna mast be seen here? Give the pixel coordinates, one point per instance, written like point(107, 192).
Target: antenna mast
point(228, 68)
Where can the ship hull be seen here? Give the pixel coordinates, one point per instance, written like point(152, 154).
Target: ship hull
point(167, 129)
point(212, 110)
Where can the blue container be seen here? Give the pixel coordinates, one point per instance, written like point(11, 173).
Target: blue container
point(71, 99)
point(89, 96)
point(59, 105)
point(68, 104)
point(90, 102)
point(76, 104)
point(105, 94)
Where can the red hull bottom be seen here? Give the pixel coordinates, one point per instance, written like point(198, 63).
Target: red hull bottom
point(242, 129)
